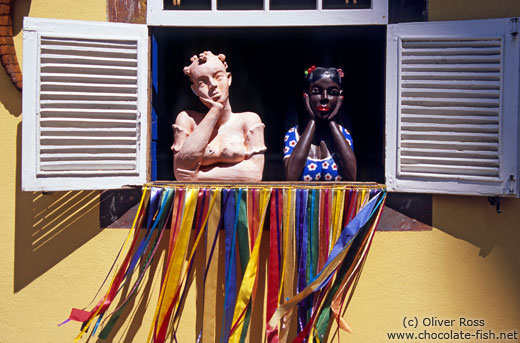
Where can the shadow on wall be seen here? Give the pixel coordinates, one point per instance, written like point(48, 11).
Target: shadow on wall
point(475, 221)
point(49, 227)
point(10, 97)
point(131, 319)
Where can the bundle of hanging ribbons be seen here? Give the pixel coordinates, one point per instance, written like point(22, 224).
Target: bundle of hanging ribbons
point(317, 237)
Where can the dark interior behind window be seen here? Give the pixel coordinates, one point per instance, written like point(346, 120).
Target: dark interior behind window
point(268, 67)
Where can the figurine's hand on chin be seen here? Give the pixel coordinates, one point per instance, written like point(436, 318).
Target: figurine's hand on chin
point(307, 102)
point(336, 109)
point(211, 104)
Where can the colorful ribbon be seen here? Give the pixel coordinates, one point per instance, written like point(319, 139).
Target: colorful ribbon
point(319, 238)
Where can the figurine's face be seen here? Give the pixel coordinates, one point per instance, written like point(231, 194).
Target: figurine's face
point(211, 81)
point(324, 95)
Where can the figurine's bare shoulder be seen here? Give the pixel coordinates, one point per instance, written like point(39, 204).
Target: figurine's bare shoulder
point(250, 119)
point(188, 119)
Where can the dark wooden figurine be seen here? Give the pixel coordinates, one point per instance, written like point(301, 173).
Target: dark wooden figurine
point(318, 148)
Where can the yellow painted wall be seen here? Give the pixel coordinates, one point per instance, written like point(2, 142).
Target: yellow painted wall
point(54, 254)
point(472, 9)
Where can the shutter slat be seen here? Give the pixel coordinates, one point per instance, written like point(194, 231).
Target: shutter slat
point(129, 44)
point(441, 75)
point(85, 173)
point(108, 61)
point(463, 68)
point(446, 119)
point(55, 95)
point(89, 87)
point(130, 52)
point(450, 110)
point(448, 161)
point(449, 153)
point(86, 123)
point(88, 132)
point(451, 170)
point(451, 128)
point(449, 43)
point(87, 156)
point(89, 78)
point(461, 102)
point(451, 84)
point(453, 51)
point(86, 104)
point(94, 113)
point(460, 136)
point(450, 93)
point(65, 68)
point(452, 59)
point(84, 166)
point(88, 149)
point(73, 140)
point(425, 143)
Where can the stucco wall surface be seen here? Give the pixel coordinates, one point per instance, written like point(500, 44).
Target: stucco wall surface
point(54, 255)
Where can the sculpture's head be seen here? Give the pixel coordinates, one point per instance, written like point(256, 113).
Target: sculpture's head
point(209, 76)
point(323, 87)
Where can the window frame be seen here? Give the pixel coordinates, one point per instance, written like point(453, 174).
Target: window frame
point(158, 16)
point(509, 122)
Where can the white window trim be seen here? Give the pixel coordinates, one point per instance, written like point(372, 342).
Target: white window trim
point(157, 16)
point(33, 28)
point(508, 117)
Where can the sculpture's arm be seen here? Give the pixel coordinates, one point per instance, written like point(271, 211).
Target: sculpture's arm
point(190, 153)
point(347, 159)
point(249, 170)
point(253, 134)
point(294, 163)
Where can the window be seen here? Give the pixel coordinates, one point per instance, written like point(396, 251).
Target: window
point(451, 119)
point(452, 107)
point(84, 105)
point(232, 13)
point(268, 67)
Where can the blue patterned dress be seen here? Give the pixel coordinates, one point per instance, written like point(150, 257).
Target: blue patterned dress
point(315, 169)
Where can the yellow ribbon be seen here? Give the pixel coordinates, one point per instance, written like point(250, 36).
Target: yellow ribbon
point(339, 203)
point(195, 245)
point(289, 270)
point(177, 258)
point(211, 286)
point(250, 274)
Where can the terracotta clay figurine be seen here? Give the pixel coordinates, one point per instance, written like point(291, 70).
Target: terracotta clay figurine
point(219, 145)
point(318, 148)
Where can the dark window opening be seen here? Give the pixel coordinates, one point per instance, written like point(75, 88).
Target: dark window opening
point(199, 5)
point(293, 4)
point(268, 67)
point(346, 4)
point(240, 5)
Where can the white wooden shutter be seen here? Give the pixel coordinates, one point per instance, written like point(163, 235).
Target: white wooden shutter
point(452, 107)
point(85, 105)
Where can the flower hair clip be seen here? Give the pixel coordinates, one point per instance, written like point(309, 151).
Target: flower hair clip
point(310, 70)
point(341, 73)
